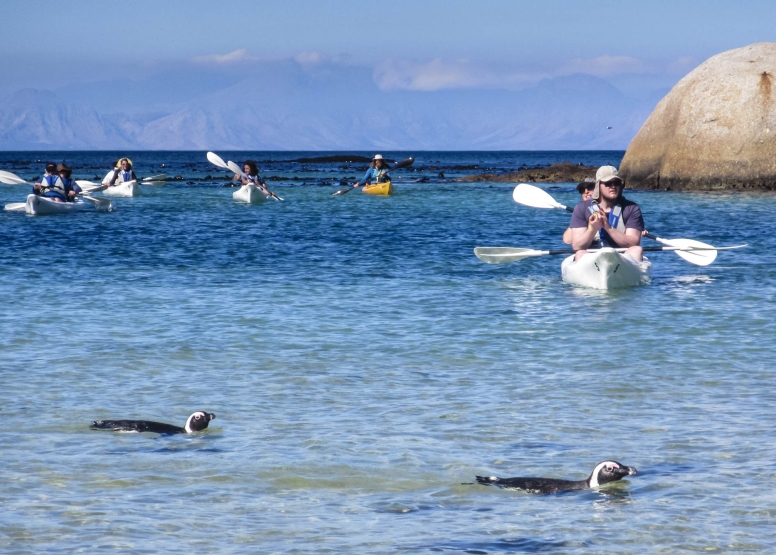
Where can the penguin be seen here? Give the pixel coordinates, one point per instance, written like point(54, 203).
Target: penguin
point(195, 423)
point(604, 473)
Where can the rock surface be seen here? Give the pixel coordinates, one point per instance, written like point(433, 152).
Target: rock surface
point(562, 172)
point(715, 130)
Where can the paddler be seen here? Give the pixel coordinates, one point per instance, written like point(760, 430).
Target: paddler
point(607, 219)
point(378, 171)
point(52, 186)
point(121, 173)
point(71, 186)
point(251, 171)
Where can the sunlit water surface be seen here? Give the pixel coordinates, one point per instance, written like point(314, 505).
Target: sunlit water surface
point(365, 366)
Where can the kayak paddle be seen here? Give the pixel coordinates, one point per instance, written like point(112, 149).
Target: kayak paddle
point(504, 255)
point(694, 252)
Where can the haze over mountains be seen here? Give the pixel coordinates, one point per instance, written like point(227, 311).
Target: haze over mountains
point(288, 105)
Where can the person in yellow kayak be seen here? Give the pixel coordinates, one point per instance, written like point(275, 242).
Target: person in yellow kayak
point(121, 173)
point(607, 219)
point(378, 171)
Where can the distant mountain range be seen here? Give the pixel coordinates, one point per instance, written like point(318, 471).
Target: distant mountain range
point(287, 106)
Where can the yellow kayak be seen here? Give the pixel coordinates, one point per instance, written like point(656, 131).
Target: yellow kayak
point(383, 189)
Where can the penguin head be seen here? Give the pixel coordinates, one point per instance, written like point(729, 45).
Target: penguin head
point(609, 471)
point(198, 421)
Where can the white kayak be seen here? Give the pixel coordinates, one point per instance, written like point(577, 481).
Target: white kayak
point(38, 206)
point(249, 193)
point(606, 269)
point(126, 189)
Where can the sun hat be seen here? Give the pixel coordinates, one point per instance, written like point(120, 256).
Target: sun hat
point(604, 175)
point(378, 157)
point(64, 168)
point(118, 162)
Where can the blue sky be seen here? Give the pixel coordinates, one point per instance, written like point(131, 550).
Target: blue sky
point(322, 74)
point(425, 45)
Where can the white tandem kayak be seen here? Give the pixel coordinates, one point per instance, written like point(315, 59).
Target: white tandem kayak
point(37, 205)
point(126, 189)
point(606, 269)
point(249, 193)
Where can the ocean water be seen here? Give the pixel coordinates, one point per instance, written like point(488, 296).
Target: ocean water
point(364, 366)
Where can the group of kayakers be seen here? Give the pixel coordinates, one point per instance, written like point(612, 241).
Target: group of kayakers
point(377, 173)
point(58, 185)
point(605, 218)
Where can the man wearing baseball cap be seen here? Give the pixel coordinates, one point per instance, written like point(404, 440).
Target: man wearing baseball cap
point(608, 219)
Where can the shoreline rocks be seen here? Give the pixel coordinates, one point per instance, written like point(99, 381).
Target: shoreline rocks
point(714, 131)
point(562, 172)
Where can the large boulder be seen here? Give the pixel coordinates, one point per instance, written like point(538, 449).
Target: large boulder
point(715, 130)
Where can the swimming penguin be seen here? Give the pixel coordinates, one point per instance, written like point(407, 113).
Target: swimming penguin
point(603, 473)
point(195, 423)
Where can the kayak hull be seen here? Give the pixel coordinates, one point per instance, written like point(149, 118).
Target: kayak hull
point(249, 193)
point(380, 189)
point(126, 189)
point(41, 206)
point(606, 269)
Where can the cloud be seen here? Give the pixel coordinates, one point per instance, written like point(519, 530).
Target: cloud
point(683, 65)
point(439, 74)
point(240, 55)
point(606, 66)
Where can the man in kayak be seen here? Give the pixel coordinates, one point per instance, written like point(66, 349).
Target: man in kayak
point(607, 219)
point(52, 186)
point(585, 188)
point(378, 171)
point(121, 173)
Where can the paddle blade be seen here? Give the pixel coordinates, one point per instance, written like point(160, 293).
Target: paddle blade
point(160, 177)
point(235, 168)
point(535, 197)
point(216, 160)
point(504, 255)
point(403, 164)
point(12, 179)
point(698, 257)
point(15, 207)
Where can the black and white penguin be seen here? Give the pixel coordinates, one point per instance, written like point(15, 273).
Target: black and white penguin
point(604, 473)
point(195, 423)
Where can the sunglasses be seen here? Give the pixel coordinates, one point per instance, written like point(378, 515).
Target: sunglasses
point(590, 187)
point(612, 183)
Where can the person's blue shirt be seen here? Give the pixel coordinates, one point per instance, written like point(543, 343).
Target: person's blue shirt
point(377, 175)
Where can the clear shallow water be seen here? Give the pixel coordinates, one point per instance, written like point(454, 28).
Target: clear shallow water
point(364, 365)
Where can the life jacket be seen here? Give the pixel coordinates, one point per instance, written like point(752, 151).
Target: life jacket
point(54, 184)
point(120, 176)
point(70, 185)
point(255, 179)
point(381, 176)
point(615, 221)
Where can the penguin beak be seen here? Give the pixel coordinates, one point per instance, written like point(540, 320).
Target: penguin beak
point(628, 471)
point(212, 416)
